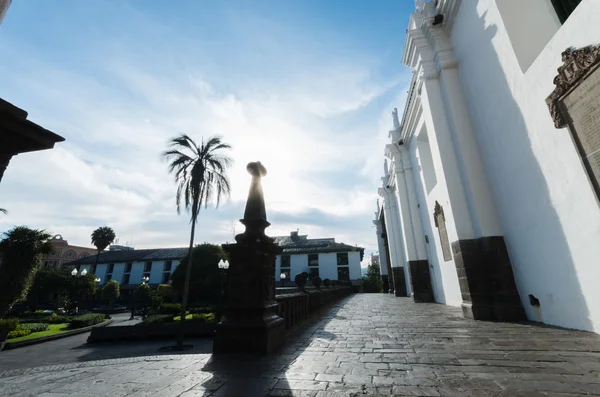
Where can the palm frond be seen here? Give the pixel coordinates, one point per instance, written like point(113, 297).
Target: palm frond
point(201, 175)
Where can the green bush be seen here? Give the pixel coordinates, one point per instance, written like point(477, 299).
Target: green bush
point(204, 317)
point(34, 327)
point(56, 319)
point(86, 320)
point(159, 319)
point(17, 333)
point(201, 309)
point(9, 324)
point(170, 308)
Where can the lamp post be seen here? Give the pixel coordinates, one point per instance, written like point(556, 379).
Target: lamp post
point(79, 275)
point(283, 276)
point(145, 280)
point(223, 266)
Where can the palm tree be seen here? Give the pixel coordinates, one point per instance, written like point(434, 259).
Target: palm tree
point(201, 176)
point(3, 211)
point(102, 238)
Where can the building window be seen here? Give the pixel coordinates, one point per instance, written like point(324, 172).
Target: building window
point(342, 259)
point(70, 254)
point(168, 265)
point(285, 261)
point(440, 223)
point(108, 278)
point(313, 272)
point(126, 279)
point(111, 267)
point(343, 274)
point(313, 259)
point(564, 8)
point(128, 267)
point(147, 267)
point(165, 278)
point(56, 253)
point(84, 255)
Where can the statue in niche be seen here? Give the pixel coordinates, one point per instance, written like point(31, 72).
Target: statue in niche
point(396, 119)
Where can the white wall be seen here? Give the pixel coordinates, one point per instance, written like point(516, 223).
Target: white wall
point(530, 25)
point(444, 278)
point(354, 262)
point(327, 266)
point(549, 213)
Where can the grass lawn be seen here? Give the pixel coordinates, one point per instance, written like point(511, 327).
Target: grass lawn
point(53, 329)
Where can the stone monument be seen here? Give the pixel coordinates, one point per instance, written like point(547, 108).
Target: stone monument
point(575, 103)
point(250, 324)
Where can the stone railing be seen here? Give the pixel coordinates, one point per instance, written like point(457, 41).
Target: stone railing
point(296, 306)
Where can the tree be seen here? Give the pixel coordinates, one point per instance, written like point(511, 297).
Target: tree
point(111, 291)
point(49, 284)
point(22, 250)
point(102, 238)
point(143, 295)
point(165, 291)
point(201, 176)
point(205, 280)
point(372, 281)
point(3, 211)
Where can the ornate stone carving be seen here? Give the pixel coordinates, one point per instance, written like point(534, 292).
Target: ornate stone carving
point(576, 64)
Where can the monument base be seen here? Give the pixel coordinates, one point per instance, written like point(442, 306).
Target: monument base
point(256, 335)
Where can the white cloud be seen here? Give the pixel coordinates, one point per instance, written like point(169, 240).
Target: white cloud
point(118, 121)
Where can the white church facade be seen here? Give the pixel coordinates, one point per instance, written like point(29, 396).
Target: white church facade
point(488, 199)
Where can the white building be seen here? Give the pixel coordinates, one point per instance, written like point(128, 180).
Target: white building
point(321, 257)
point(486, 204)
point(128, 267)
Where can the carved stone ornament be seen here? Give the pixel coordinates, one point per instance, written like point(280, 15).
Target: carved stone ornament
point(576, 64)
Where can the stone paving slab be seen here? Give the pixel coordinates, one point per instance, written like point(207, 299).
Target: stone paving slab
point(367, 345)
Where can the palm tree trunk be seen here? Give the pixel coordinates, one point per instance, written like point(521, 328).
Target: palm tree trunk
point(186, 283)
point(96, 263)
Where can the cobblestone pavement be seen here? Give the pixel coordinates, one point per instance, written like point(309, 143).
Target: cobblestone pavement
point(367, 345)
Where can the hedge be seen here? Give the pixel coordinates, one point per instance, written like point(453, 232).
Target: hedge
point(9, 324)
point(86, 320)
point(170, 308)
point(34, 327)
point(158, 319)
point(56, 319)
point(17, 333)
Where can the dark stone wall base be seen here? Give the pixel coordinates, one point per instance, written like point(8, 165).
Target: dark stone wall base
point(399, 281)
point(420, 281)
point(486, 279)
point(385, 285)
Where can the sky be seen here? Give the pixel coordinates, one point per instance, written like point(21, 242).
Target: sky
point(307, 87)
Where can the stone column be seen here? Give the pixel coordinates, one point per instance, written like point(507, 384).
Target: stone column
point(483, 266)
point(394, 233)
point(4, 160)
point(251, 324)
point(382, 254)
point(414, 237)
point(386, 248)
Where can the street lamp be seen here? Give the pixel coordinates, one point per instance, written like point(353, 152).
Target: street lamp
point(283, 276)
point(145, 279)
point(81, 274)
point(223, 266)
